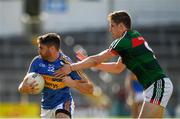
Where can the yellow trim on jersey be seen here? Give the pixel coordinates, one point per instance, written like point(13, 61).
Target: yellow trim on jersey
point(80, 73)
point(53, 82)
point(65, 60)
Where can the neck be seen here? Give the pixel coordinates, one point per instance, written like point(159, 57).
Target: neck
point(123, 33)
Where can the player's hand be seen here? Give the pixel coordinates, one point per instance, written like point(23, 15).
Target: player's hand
point(68, 81)
point(66, 69)
point(29, 88)
point(80, 55)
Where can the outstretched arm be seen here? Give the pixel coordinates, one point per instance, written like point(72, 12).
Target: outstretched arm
point(84, 85)
point(111, 67)
point(90, 61)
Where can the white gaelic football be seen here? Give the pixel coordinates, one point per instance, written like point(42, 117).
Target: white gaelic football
point(39, 80)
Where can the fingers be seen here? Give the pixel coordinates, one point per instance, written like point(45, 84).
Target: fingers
point(59, 73)
point(33, 87)
point(63, 71)
point(33, 91)
point(33, 84)
point(65, 77)
point(60, 76)
point(67, 81)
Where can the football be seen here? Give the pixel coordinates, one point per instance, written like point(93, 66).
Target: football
point(39, 80)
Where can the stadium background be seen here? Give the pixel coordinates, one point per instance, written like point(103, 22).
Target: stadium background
point(83, 23)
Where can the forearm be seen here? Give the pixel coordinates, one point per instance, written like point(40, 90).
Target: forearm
point(111, 67)
point(87, 63)
point(85, 88)
point(23, 89)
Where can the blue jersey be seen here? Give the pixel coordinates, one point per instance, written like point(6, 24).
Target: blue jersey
point(54, 92)
point(136, 86)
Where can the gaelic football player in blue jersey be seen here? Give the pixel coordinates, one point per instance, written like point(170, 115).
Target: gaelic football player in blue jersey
point(57, 101)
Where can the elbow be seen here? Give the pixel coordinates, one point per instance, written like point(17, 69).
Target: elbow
point(20, 88)
point(118, 69)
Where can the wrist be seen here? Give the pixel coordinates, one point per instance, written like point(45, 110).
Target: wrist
point(71, 84)
point(72, 67)
point(74, 84)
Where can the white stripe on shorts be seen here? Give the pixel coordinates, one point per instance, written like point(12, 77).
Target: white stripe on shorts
point(159, 92)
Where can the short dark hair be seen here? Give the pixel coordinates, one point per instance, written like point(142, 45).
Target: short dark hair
point(120, 17)
point(50, 39)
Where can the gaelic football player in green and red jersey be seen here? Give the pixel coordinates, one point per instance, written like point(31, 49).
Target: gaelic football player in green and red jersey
point(138, 57)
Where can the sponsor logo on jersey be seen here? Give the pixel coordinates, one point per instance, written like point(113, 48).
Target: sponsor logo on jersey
point(42, 65)
point(53, 82)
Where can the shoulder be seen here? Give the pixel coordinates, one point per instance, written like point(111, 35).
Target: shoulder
point(65, 58)
point(132, 34)
point(121, 42)
point(37, 59)
point(34, 65)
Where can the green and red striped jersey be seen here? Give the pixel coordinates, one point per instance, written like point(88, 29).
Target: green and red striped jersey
point(138, 57)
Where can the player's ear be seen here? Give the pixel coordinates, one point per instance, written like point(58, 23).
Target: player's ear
point(120, 25)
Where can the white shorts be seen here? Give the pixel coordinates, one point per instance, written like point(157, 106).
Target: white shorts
point(159, 92)
point(66, 107)
point(139, 97)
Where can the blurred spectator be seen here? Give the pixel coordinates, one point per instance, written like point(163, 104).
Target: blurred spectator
point(135, 94)
point(119, 106)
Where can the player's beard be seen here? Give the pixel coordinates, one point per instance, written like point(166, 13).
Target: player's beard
point(46, 55)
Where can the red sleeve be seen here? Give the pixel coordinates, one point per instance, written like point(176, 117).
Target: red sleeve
point(137, 41)
point(113, 52)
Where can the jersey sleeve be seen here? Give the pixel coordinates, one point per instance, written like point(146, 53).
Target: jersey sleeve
point(119, 45)
point(115, 47)
point(66, 59)
point(74, 74)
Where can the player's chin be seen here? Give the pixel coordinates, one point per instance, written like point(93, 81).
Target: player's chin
point(113, 36)
point(43, 57)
